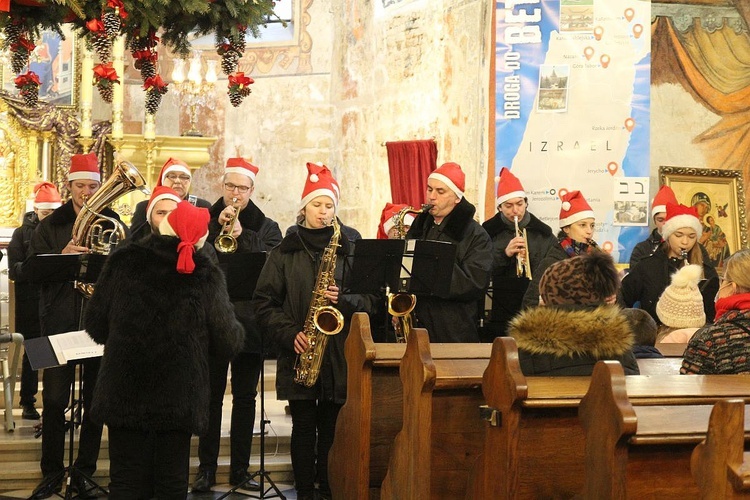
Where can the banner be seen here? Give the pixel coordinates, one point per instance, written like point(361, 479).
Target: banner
point(572, 112)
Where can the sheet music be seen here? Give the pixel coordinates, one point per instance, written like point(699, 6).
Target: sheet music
point(74, 345)
point(406, 263)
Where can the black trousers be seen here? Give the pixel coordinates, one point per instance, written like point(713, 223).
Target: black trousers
point(148, 464)
point(313, 426)
point(56, 397)
point(245, 374)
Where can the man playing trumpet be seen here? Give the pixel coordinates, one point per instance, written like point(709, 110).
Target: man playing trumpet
point(512, 265)
point(234, 217)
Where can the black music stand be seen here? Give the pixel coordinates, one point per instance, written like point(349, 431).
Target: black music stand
point(56, 268)
point(242, 271)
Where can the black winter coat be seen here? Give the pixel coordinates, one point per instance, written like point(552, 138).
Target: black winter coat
point(646, 282)
point(60, 303)
point(26, 293)
point(507, 288)
point(158, 328)
point(559, 341)
point(139, 226)
point(454, 318)
point(645, 248)
point(259, 234)
point(282, 300)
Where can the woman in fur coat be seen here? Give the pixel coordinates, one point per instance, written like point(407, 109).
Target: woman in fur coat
point(159, 309)
point(577, 323)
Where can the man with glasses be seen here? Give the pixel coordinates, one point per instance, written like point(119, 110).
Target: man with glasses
point(254, 232)
point(175, 174)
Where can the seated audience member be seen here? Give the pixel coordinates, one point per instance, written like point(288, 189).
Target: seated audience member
point(680, 308)
point(578, 324)
point(644, 330)
point(723, 347)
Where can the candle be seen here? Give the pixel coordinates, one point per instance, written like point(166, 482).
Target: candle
point(149, 132)
point(87, 81)
point(118, 51)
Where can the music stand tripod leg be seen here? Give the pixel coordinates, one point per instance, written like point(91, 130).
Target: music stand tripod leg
point(262, 474)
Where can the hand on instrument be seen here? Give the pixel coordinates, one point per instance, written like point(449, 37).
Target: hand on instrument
point(226, 214)
point(514, 246)
point(71, 247)
point(300, 343)
point(332, 294)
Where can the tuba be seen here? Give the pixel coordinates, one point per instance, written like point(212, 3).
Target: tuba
point(225, 242)
point(99, 232)
point(401, 305)
point(322, 318)
point(523, 267)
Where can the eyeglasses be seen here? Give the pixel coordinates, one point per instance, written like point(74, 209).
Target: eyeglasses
point(231, 187)
point(174, 177)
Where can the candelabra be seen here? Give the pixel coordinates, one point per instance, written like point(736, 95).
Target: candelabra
point(197, 89)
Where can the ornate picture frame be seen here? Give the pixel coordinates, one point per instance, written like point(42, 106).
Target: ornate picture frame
point(58, 64)
point(719, 196)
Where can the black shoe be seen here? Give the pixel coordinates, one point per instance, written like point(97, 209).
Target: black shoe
point(83, 487)
point(241, 477)
point(203, 481)
point(29, 412)
point(47, 488)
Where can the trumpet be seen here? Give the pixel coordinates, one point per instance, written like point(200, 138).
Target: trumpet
point(523, 267)
point(225, 242)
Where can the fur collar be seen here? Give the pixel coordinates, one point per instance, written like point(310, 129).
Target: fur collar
point(601, 331)
point(456, 223)
point(496, 226)
point(67, 215)
point(292, 242)
point(250, 217)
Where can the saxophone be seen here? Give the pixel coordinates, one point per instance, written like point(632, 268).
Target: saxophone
point(322, 318)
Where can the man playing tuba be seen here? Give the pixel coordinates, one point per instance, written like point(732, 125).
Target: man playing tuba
point(510, 256)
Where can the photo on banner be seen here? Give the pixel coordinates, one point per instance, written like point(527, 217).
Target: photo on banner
point(719, 198)
point(572, 92)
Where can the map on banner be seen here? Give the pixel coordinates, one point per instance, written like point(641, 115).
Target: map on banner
point(572, 112)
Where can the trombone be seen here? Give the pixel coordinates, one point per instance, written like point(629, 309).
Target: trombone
point(225, 242)
point(523, 267)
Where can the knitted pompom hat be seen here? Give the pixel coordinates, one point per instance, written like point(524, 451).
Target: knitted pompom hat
point(681, 303)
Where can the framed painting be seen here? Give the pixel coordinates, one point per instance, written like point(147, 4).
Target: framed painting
point(57, 63)
point(719, 197)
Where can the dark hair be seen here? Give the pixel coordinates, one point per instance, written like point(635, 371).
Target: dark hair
point(643, 326)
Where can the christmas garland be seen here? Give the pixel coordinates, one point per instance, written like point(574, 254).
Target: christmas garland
point(145, 24)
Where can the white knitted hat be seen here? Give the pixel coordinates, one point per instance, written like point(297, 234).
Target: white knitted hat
point(681, 303)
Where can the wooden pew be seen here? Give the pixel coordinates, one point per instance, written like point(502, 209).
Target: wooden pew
point(718, 464)
point(670, 350)
point(659, 366)
point(534, 444)
point(372, 415)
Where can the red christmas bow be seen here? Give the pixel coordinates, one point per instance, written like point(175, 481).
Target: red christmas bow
point(105, 72)
point(95, 26)
point(155, 82)
point(238, 79)
point(29, 78)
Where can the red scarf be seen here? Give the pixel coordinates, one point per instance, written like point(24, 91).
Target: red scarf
point(737, 302)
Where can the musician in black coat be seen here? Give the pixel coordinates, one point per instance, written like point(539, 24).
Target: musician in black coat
point(161, 309)
point(508, 287)
point(282, 301)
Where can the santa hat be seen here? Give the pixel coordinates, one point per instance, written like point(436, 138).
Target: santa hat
point(681, 303)
point(160, 193)
point(664, 196)
point(387, 218)
point(452, 176)
point(190, 225)
point(320, 182)
point(679, 216)
point(508, 187)
point(173, 165)
point(46, 196)
point(241, 166)
point(574, 208)
point(84, 167)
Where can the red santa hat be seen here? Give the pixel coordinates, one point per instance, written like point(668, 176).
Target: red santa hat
point(679, 216)
point(160, 193)
point(190, 225)
point(84, 167)
point(574, 208)
point(320, 182)
point(241, 166)
point(452, 176)
point(663, 196)
point(173, 165)
point(508, 187)
point(46, 196)
point(387, 219)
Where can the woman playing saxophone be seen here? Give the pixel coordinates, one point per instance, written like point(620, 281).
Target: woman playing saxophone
point(286, 296)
